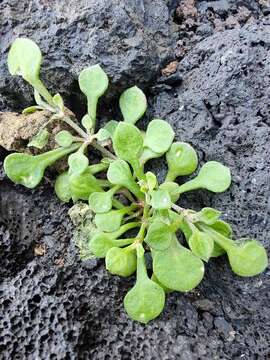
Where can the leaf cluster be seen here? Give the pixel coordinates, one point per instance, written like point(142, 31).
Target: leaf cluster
point(121, 211)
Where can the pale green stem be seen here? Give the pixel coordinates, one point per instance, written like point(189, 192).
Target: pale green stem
point(124, 228)
point(51, 156)
point(221, 240)
point(41, 89)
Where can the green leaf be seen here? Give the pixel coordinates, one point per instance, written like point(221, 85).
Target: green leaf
point(122, 262)
point(24, 59)
point(30, 110)
point(158, 235)
point(159, 136)
point(132, 104)
point(101, 243)
point(62, 188)
point(151, 180)
point(182, 160)
point(109, 221)
point(148, 154)
point(128, 145)
point(177, 268)
point(40, 139)
point(78, 163)
point(146, 300)
point(222, 227)
point(208, 215)
point(119, 174)
point(83, 185)
point(28, 170)
point(155, 279)
point(101, 202)
point(201, 244)
point(93, 82)
point(111, 127)
point(59, 102)
point(247, 257)
point(64, 138)
point(213, 176)
point(160, 199)
point(87, 122)
point(103, 134)
point(172, 189)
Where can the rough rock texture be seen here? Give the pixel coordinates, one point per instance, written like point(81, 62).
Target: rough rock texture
point(55, 307)
point(130, 39)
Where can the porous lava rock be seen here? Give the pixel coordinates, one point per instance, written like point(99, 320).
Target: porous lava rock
point(54, 306)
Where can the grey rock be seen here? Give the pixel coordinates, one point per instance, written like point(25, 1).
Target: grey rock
point(55, 307)
point(130, 39)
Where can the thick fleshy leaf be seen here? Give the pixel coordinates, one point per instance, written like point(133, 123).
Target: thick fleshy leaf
point(158, 235)
point(78, 163)
point(93, 82)
point(87, 122)
point(40, 139)
point(146, 300)
point(213, 176)
point(28, 170)
point(208, 215)
point(128, 145)
point(64, 138)
point(172, 189)
point(122, 262)
point(132, 104)
point(247, 257)
point(59, 102)
point(201, 244)
point(159, 136)
point(83, 185)
point(109, 221)
point(101, 243)
point(24, 59)
point(160, 199)
point(62, 188)
point(177, 268)
point(119, 174)
point(148, 154)
point(100, 202)
point(181, 159)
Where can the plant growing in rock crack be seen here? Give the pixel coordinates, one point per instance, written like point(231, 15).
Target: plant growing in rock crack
point(129, 215)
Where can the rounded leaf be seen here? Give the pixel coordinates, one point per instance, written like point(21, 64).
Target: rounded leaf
point(158, 235)
point(177, 268)
point(132, 104)
point(78, 163)
point(201, 244)
point(100, 202)
point(122, 262)
point(64, 138)
point(247, 258)
point(214, 177)
point(145, 301)
point(24, 169)
point(160, 199)
point(40, 139)
point(127, 142)
point(172, 189)
point(24, 58)
point(159, 136)
point(82, 185)
point(182, 160)
point(110, 221)
point(62, 188)
point(93, 81)
point(208, 215)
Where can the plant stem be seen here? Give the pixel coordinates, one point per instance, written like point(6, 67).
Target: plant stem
point(74, 126)
point(103, 150)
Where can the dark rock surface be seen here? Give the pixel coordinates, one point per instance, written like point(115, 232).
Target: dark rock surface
point(54, 306)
